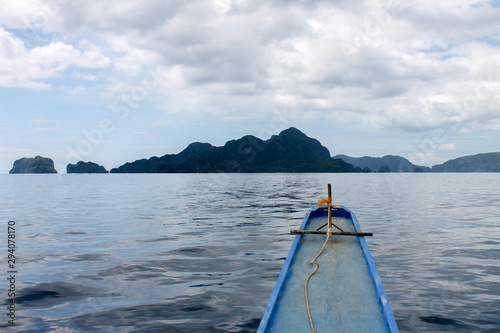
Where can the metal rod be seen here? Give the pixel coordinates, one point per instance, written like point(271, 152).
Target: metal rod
point(320, 232)
point(329, 232)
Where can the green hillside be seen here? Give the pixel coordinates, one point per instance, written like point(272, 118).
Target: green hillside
point(488, 162)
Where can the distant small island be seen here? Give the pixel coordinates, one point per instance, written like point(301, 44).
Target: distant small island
point(37, 164)
point(85, 167)
point(290, 151)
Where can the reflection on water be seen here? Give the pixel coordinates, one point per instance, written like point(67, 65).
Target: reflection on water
point(201, 253)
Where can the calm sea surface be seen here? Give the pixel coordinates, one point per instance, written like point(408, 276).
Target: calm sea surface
point(201, 253)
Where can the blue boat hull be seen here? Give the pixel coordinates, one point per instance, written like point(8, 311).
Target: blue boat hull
point(346, 293)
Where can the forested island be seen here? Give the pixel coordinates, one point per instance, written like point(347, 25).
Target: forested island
point(37, 164)
point(388, 163)
point(489, 162)
point(290, 151)
point(85, 167)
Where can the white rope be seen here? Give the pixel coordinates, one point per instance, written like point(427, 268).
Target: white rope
point(328, 235)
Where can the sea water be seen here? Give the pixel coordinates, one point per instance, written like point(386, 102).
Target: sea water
point(202, 252)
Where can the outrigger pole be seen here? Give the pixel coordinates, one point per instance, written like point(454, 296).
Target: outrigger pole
point(329, 231)
point(320, 232)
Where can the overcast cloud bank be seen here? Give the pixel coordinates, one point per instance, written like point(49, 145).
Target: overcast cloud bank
point(364, 77)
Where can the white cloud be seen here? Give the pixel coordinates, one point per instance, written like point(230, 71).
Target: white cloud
point(494, 125)
point(464, 130)
point(19, 14)
point(426, 159)
point(22, 67)
point(412, 65)
point(445, 146)
point(85, 76)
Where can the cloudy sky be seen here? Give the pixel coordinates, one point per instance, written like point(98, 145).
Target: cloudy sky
point(112, 81)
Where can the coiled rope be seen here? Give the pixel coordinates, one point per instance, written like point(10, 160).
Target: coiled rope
point(321, 202)
point(307, 280)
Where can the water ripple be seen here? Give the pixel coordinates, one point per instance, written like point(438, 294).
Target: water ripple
point(201, 253)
